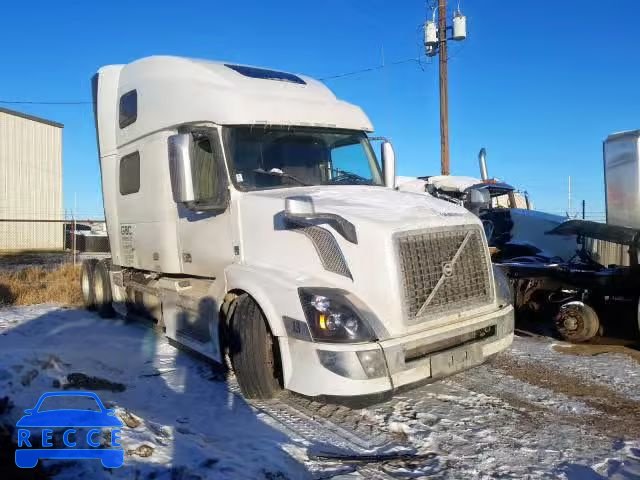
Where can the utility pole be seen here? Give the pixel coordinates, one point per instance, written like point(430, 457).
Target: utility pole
point(444, 90)
point(435, 41)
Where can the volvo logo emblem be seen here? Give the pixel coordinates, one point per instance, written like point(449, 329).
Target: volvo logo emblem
point(447, 269)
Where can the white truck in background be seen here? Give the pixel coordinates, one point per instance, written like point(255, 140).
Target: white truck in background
point(511, 224)
point(247, 213)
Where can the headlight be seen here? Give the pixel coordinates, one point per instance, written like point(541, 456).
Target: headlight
point(503, 287)
point(332, 317)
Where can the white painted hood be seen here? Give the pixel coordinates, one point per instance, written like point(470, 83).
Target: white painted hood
point(377, 214)
point(396, 210)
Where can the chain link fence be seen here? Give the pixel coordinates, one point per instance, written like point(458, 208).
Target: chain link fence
point(40, 258)
point(28, 235)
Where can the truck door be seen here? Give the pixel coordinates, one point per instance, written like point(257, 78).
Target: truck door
point(205, 248)
point(204, 233)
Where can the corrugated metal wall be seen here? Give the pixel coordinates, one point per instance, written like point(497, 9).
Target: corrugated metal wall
point(607, 253)
point(30, 183)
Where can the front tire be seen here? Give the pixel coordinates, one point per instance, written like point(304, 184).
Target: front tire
point(254, 351)
point(102, 290)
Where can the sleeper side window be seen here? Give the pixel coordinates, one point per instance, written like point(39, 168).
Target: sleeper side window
point(128, 111)
point(130, 174)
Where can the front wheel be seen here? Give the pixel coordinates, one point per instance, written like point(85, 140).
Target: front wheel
point(254, 351)
point(577, 322)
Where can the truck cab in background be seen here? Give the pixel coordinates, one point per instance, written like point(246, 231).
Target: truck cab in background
point(247, 213)
point(513, 228)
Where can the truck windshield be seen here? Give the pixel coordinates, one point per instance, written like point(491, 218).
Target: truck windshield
point(265, 157)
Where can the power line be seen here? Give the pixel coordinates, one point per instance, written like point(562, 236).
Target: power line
point(370, 69)
point(30, 102)
point(417, 60)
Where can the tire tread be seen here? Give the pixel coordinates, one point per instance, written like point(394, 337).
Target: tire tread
point(253, 361)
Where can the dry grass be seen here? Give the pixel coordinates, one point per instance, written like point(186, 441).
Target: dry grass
point(34, 285)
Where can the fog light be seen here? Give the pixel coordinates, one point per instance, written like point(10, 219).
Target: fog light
point(373, 363)
point(345, 364)
point(365, 365)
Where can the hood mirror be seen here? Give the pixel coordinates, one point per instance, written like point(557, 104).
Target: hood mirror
point(301, 206)
point(299, 211)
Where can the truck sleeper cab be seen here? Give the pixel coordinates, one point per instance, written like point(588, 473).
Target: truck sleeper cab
point(247, 211)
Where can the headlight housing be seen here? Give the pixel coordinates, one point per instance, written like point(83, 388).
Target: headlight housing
point(332, 317)
point(504, 294)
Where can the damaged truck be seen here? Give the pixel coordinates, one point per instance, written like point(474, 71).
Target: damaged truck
point(513, 228)
point(603, 275)
point(248, 215)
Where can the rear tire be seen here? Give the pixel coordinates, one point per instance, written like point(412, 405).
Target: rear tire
point(102, 290)
point(254, 351)
point(577, 322)
point(86, 283)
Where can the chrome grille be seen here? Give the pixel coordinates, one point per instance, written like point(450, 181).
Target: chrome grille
point(443, 271)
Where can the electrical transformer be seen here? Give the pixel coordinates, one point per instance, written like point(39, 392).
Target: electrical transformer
point(430, 33)
point(459, 27)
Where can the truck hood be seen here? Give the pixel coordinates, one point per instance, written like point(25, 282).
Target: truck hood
point(391, 210)
point(367, 268)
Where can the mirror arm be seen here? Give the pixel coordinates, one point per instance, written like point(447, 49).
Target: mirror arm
point(341, 225)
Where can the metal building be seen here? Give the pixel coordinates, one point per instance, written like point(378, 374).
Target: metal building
point(30, 182)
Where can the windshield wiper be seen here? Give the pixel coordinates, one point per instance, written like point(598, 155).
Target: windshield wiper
point(343, 174)
point(282, 174)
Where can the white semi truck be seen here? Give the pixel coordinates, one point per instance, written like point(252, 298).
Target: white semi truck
point(247, 213)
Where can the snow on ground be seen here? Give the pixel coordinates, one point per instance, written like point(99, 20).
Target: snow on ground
point(533, 413)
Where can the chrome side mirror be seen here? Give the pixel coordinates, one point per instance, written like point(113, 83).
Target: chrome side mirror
point(180, 147)
point(388, 164)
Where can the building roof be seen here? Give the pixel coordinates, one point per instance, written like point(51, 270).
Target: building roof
point(31, 117)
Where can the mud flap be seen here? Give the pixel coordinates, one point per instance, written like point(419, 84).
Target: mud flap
point(452, 361)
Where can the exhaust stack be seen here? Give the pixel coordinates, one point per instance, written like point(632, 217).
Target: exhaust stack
point(482, 159)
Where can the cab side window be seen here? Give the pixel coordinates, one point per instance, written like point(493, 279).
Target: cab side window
point(207, 168)
point(203, 167)
point(130, 174)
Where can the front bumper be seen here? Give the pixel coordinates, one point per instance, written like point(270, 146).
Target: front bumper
point(320, 369)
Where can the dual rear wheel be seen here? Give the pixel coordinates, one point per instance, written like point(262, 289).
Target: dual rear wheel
point(96, 287)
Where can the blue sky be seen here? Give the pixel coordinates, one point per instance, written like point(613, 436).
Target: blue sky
point(538, 83)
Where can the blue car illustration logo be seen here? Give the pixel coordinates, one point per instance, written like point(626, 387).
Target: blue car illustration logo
point(80, 432)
